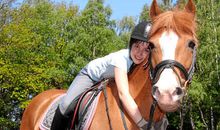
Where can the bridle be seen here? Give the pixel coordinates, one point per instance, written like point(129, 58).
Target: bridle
point(172, 64)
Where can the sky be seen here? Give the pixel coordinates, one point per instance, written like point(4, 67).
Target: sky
point(120, 8)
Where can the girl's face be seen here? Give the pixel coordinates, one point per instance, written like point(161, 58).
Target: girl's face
point(139, 52)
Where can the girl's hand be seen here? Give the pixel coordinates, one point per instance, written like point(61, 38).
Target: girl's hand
point(142, 124)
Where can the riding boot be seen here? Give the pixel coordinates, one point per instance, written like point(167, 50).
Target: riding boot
point(59, 121)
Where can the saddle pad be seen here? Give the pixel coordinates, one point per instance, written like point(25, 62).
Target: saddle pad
point(49, 114)
point(87, 119)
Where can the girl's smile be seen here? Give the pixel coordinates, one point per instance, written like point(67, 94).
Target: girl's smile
point(139, 51)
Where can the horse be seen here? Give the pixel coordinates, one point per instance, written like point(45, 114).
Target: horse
point(164, 79)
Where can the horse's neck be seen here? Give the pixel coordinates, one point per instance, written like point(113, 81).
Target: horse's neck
point(139, 80)
point(140, 89)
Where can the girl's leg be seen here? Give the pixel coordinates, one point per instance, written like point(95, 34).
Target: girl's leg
point(80, 84)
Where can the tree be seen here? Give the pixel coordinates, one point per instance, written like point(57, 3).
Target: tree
point(5, 7)
point(91, 36)
point(208, 63)
point(30, 60)
point(124, 28)
point(145, 13)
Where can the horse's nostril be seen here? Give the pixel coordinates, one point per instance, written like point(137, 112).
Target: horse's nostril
point(155, 92)
point(178, 91)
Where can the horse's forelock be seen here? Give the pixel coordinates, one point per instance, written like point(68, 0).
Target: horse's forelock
point(180, 22)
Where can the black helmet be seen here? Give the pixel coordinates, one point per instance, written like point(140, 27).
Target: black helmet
point(141, 31)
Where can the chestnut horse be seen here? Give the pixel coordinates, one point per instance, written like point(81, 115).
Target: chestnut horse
point(173, 46)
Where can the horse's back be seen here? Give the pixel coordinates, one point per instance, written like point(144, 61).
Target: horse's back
point(109, 117)
point(37, 107)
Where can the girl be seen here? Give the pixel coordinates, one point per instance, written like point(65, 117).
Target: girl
point(115, 65)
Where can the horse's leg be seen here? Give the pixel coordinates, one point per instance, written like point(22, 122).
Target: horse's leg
point(33, 113)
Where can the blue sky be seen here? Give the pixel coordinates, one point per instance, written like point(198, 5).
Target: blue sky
point(119, 8)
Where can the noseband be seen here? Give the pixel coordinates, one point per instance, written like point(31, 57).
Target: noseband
point(166, 64)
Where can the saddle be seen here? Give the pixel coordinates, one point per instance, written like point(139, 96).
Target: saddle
point(83, 113)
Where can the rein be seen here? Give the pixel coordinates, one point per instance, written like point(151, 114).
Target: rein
point(106, 104)
point(151, 117)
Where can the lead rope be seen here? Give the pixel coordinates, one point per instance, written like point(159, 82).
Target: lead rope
point(183, 111)
point(106, 106)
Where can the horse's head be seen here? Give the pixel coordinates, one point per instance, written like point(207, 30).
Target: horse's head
point(173, 48)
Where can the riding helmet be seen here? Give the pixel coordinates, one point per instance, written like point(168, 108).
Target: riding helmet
point(141, 32)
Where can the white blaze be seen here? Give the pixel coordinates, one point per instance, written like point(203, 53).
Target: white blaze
point(168, 80)
point(168, 42)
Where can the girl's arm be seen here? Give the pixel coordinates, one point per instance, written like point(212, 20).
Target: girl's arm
point(128, 102)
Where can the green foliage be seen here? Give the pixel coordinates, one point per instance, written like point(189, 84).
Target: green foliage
point(6, 123)
point(145, 13)
point(209, 53)
point(91, 36)
point(29, 60)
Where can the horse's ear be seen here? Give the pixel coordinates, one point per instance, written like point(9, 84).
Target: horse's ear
point(190, 7)
point(154, 10)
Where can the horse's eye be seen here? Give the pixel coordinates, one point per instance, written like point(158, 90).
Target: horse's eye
point(151, 46)
point(191, 44)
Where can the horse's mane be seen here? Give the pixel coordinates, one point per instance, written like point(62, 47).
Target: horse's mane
point(181, 22)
